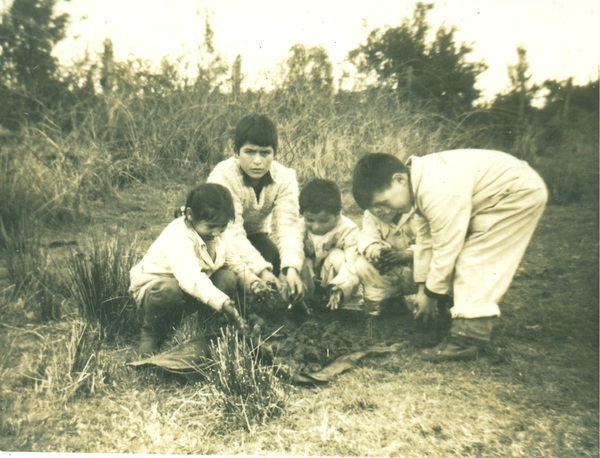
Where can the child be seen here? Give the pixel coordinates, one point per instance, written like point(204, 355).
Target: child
point(482, 208)
point(329, 242)
point(395, 253)
point(191, 259)
point(264, 192)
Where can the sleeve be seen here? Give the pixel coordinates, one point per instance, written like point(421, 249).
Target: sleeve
point(448, 217)
point(286, 217)
point(369, 240)
point(347, 279)
point(239, 240)
point(240, 268)
point(187, 270)
point(421, 248)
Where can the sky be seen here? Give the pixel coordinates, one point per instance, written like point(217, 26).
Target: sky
point(562, 37)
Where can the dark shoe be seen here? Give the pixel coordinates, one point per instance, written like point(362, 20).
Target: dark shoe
point(451, 349)
point(149, 342)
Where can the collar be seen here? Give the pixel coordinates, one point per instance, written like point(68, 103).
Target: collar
point(265, 180)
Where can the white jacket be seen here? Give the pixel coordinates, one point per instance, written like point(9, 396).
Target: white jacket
point(278, 204)
point(181, 253)
point(450, 188)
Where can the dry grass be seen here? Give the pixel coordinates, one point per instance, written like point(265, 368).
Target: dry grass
point(534, 394)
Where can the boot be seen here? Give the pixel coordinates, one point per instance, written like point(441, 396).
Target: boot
point(452, 348)
point(150, 340)
point(465, 340)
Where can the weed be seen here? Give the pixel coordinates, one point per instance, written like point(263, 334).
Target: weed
point(249, 392)
point(31, 272)
point(99, 284)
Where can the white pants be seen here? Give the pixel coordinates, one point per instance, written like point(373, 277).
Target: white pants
point(492, 251)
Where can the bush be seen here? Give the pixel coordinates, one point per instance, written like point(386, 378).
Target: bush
point(249, 392)
point(99, 283)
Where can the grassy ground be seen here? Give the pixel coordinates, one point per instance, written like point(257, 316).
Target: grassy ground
point(535, 393)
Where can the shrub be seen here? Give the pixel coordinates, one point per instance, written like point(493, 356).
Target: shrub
point(98, 280)
point(249, 392)
point(32, 272)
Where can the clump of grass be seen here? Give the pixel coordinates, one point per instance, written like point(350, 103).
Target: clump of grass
point(99, 283)
point(31, 272)
point(74, 365)
point(250, 393)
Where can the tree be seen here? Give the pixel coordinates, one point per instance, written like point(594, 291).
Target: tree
point(308, 72)
point(28, 71)
point(428, 73)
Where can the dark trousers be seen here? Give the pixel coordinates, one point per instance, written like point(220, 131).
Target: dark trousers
point(267, 248)
point(165, 304)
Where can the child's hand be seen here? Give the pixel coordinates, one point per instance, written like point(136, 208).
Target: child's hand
point(393, 257)
point(270, 279)
point(259, 286)
point(425, 307)
point(294, 284)
point(335, 298)
point(232, 313)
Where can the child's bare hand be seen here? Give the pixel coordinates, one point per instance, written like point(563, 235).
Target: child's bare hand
point(294, 284)
point(335, 298)
point(425, 307)
point(232, 313)
point(392, 256)
point(270, 279)
point(259, 286)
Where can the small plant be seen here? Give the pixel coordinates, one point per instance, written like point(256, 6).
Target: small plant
point(74, 365)
point(249, 391)
point(31, 271)
point(99, 284)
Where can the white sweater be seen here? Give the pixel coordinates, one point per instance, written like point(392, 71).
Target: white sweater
point(181, 253)
point(277, 206)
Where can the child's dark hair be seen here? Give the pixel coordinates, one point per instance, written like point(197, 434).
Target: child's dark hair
point(321, 195)
point(373, 173)
point(210, 202)
point(256, 129)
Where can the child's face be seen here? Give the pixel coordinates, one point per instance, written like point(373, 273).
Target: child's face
point(320, 223)
point(209, 229)
point(255, 160)
point(394, 200)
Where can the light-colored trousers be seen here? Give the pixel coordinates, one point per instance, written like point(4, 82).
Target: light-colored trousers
point(493, 249)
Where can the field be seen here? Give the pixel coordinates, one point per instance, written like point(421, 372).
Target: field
point(534, 392)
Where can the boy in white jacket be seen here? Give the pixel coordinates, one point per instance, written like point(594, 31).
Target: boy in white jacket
point(265, 194)
point(482, 208)
point(191, 262)
point(329, 243)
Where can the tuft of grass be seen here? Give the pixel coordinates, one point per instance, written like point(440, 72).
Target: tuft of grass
point(99, 283)
point(249, 392)
point(31, 272)
point(75, 366)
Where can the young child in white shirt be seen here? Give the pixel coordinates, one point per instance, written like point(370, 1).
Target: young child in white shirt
point(190, 262)
point(329, 243)
point(395, 254)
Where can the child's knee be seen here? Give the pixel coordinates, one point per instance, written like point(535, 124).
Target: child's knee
point(225, 280)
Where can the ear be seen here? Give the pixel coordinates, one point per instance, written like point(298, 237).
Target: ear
point(188, 213)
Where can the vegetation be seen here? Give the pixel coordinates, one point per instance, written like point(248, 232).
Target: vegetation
point(107, 147)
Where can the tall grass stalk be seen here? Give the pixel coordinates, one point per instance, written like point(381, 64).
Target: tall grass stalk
point(99, 282)
point(74, 364)
point(32, 272)
point(250, 392)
